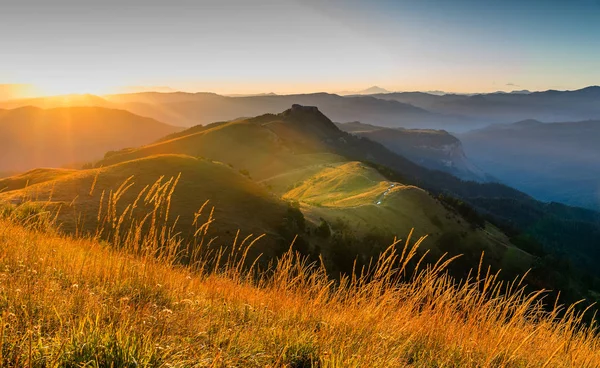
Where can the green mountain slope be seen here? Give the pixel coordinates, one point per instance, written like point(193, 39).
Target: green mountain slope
point(294, 154)
point(355, 196)
point(236, 199)
point(32, 177)
point(296, 144)
point(342, 185)
point(260, 146)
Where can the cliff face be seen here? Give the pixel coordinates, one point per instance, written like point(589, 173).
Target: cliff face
point(448, 157)
point(434, 149)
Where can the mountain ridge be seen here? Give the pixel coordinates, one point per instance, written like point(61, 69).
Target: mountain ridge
point(35, 137)
point(452, 112)
point(292, 152)
point(191, 109)
point(433, 149)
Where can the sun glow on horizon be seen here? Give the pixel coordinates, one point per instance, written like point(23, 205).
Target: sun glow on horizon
point(74, 87)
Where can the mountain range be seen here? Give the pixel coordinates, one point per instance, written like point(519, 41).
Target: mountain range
point(31, 137)
point(297, 156)
point(485, 109)
point(451, 112)
point(457, 114)
point(295, 173)
point(190, 109)
point(292, 145)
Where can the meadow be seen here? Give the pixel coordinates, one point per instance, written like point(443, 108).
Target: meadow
point(137, 294)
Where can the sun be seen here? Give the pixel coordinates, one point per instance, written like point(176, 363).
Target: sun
point(73, 87)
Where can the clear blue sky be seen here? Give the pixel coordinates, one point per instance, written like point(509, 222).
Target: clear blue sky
point(243, 46)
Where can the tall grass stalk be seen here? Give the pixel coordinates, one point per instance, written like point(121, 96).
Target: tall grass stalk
point(137, 293)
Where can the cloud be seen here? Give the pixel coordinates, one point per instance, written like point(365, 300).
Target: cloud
point(512, 84)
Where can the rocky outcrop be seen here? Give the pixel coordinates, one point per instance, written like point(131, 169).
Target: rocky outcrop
point(434, 149)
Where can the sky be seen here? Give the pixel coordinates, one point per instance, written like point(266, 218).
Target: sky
point(294, 46)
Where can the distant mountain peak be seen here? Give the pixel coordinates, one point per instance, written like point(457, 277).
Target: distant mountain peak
point(591, 90)
point(436, 93)
point(369, 91)
point(527, 122)
point(373, 90)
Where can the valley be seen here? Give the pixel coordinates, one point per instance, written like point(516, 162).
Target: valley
point(551, 161)
point(278, 159)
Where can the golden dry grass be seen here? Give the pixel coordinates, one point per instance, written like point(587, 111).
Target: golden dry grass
point(125, 301)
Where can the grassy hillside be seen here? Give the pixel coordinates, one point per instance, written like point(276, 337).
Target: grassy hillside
point(83, 194)
point(291, 155)
point(301, 156)
point(151, 274)
point(349, 184)
point(32, 177)
point(32, 137)
point(74, 302)
point(355, 196)
point(243, 144)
